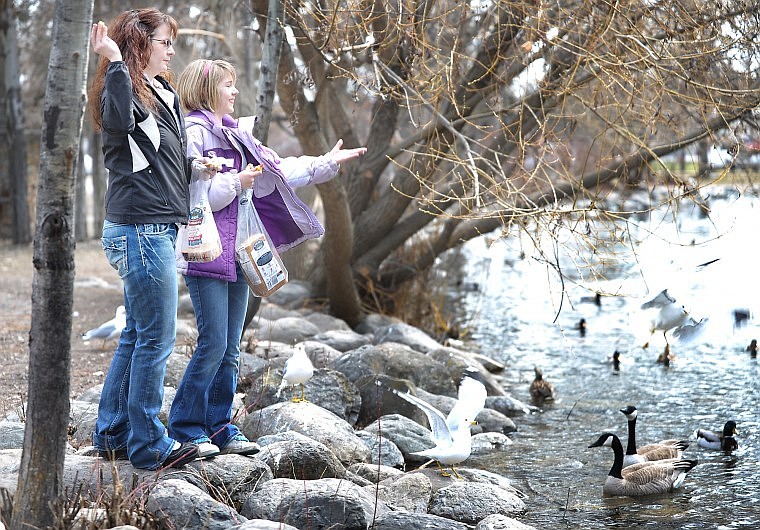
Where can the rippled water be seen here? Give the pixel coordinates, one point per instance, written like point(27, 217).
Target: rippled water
point(521, 319)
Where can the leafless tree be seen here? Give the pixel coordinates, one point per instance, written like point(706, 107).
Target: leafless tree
point(47, 415)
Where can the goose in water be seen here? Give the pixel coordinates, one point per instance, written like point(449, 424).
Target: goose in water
point(646, 478)
point(651, 452)
point(718, 441)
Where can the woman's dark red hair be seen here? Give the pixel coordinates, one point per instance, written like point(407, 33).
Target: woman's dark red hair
point(131, 31)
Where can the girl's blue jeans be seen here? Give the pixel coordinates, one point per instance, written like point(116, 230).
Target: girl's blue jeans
point(143, 254)
point(202, 408)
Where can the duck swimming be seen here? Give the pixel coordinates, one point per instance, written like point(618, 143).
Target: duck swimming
point(722, 441)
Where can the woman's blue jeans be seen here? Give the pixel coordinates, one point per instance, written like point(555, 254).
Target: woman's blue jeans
point(134, 387)
point(202, 407)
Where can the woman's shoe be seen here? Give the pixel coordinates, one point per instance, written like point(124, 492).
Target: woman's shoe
point(185, 453)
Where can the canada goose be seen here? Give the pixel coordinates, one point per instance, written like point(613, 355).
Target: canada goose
point(647, 478)
point(540, 389)
point(298, 370)
point(451, 433)
point(723, 441)
point(662, 450)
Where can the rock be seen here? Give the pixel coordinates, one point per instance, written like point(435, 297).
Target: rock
point(383, 451)
point(378, 399)
point(409, 436)
point(312, 421)
point(470, 502)
point(509, 406)
point(407, 492)
point(416, 521)
point(182, 505)
point(293, 294)
point(11, 435)
point(502, 522)
point(373, 472)
point(489, 443)
point(291, 330)
point(342, 340)
point(328, 324)
point(235, 476)
point(301, 458)
point(325, 503)
point(408, 335)
point(399, 362)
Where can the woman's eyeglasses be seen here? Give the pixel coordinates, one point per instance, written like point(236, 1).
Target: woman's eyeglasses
point(166, 42)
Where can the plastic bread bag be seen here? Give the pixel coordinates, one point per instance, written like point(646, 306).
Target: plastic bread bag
point(199, 239)
point(261, 263)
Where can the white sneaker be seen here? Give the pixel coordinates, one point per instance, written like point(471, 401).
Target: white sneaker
point(207, 450)
point(240, 446)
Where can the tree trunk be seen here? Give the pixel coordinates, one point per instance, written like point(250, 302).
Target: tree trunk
point(47, 416)
point(270, 61)
point(14, 123)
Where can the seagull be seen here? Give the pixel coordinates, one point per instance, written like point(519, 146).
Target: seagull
point(298, 369)
point(672, 316)
point(108, 330)
point(451, 433)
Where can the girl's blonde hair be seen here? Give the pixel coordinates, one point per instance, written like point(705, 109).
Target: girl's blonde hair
point(198, 83)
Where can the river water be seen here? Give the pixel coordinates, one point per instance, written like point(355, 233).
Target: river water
point(517, 313)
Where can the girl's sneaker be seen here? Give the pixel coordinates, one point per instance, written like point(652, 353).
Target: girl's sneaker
point(240, 445)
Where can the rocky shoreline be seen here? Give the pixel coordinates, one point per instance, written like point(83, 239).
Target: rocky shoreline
point(341, 460)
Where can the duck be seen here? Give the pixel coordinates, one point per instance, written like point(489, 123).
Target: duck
point(581, 326)
point(665, 449)
point(718, 441)
point(646, 478)
point(596, 299)
point(752, 348)
point(541, 390)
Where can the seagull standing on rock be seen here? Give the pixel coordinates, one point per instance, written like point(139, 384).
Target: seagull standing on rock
point(298, 370)
point(108, 330)
point(451, 434)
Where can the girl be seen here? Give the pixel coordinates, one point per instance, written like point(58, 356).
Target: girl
point(202, 409)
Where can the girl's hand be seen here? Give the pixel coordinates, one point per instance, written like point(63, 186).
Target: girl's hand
point(342, 155)
point(102, 44)
point(248, 175)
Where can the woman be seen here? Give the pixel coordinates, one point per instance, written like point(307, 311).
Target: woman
point(144, 148)
point(202, 409)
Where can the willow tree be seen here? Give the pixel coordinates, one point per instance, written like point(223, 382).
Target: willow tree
point(47, 414)
point(483, 115)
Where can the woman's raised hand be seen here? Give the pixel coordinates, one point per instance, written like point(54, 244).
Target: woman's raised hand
point(102, 44)
point(340, 155)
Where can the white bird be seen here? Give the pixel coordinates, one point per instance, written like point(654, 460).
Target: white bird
point(671, 316)
point(108, 330)
point(298, 370)
point(451, 434)
point(646, 478)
